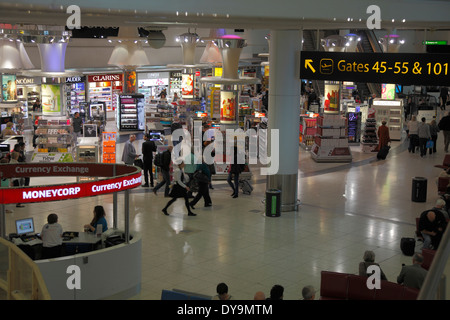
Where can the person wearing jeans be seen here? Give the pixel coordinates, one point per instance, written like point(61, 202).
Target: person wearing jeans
point(424, 136)
point(235, 170)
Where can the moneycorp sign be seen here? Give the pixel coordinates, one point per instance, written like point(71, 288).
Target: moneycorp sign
point(398, 68)
point(130, 177)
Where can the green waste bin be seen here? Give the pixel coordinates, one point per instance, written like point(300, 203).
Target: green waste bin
point(273, 203)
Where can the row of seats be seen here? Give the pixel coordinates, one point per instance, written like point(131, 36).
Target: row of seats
point(344, 286)
point(176, 294)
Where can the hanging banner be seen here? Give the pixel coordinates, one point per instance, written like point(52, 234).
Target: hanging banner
point(51, 99)
point(9, 89)
point(331, 103)
point(387, 91)
point(228, 104)
point(187, 86)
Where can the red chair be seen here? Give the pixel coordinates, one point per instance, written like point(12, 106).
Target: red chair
point(389, 291)
point(410, 293)
point(428, 256)
point(442, 185)
point(445, 163)
point(333, 285)
point(418, 233)
point(357, 288)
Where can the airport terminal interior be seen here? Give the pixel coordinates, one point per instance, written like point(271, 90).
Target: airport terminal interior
point(343, 208)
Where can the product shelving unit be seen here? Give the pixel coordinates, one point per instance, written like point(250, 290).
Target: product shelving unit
point(369, 139)
point(55, 142)
point(101, 94)
point(75, 94)
point(175, 83)
point(331, 140)
point(308, 130)
point(390, 111)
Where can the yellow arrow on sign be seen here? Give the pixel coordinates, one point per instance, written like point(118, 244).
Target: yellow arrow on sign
point(308, 64)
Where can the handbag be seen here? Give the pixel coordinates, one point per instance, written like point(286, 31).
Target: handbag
point(200, 176)
point(430, 144)
point(139, 163)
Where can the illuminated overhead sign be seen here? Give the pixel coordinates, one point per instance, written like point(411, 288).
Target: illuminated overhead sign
point(399, 68)
point(130, 177)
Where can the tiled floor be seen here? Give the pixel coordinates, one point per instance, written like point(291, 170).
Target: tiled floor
point(345, 209)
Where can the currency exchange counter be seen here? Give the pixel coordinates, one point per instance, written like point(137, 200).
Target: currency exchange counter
point(112, 272)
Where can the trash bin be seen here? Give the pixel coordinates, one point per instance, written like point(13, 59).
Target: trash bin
point(273, 203)
point(419, 189)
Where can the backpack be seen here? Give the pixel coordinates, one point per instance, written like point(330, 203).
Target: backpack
point(158, 161)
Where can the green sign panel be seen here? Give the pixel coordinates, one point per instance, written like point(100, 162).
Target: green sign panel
point(435, 43)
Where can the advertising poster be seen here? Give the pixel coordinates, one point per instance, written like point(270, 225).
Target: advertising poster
point(51, 99)
point(130, 82)
point(187, 86)
point(331, 104)
point(9, 89)
point(228, 104)
point(387, 91)
point(140, 103)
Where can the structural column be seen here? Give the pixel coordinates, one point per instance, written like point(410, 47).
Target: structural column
point(284, 112)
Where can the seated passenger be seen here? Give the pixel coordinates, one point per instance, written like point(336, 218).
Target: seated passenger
point(99, 218)
point(369, 260)
point(51, 236)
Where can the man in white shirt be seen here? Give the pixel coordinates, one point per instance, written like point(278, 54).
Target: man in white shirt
point(51, 236)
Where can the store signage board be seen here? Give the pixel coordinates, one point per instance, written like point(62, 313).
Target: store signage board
point(105, 78)
point(76, 79)
point(69, 191)
point(129, 178)
point(405, 68)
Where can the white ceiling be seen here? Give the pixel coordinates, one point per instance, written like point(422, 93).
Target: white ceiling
point(252, 14)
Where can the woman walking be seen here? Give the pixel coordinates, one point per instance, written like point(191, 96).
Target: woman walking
point(179, 189)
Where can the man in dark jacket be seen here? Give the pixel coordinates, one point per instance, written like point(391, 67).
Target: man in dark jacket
point(165, 170)
point(432, 225)
point(444, 125)
point(148, 147)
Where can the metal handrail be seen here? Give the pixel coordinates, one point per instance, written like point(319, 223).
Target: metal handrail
point(432, 281)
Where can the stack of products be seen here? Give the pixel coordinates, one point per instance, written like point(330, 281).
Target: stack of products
point(370, 140)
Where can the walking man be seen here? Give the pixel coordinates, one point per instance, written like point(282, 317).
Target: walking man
point(165, 170)
point(444, 125)
point(148, 147)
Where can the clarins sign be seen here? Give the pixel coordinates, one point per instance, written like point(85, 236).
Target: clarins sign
point(105, 77)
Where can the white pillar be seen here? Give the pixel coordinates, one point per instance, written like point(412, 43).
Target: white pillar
point(284, 111)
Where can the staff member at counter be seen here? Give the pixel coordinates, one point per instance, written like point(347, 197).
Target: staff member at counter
point(99, 218)
point(51, 236)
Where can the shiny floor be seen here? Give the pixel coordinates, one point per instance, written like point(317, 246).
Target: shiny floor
point(345, 209)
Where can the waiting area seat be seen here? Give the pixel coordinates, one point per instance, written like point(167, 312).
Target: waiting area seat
point(428, 256)
point(445, 163)
point(443, 183)
point(177, 294)
point(344, 286)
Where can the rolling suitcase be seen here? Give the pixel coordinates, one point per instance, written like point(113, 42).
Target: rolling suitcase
point(382, 154)
point(408, 245)
point(245, 186)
